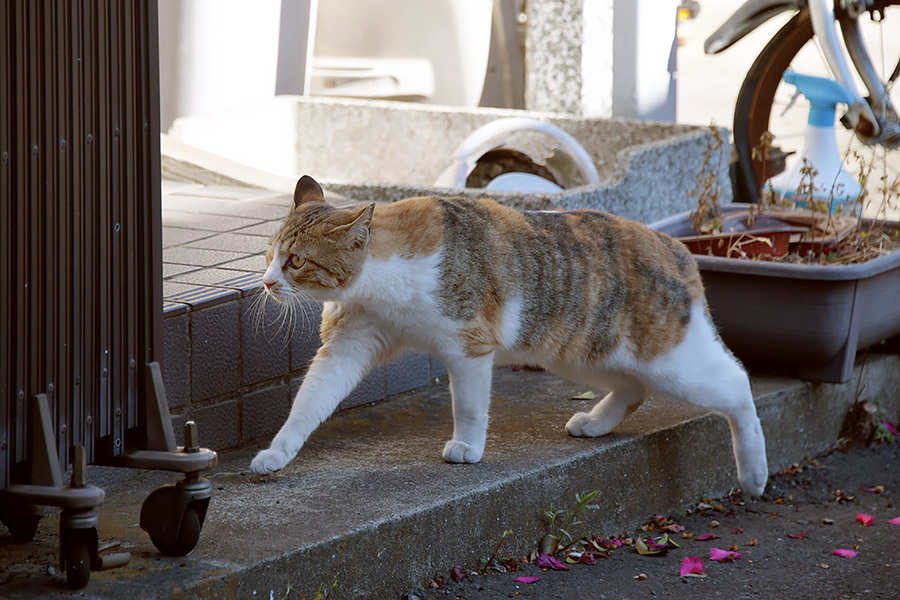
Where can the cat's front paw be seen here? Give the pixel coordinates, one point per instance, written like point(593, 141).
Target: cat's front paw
point(461, 452)
point(269, 461)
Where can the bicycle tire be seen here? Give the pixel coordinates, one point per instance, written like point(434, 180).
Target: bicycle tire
point(754, 102)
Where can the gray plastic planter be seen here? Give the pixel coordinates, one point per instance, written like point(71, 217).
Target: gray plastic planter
point(803, 320)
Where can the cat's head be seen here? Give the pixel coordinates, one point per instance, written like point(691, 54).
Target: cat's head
point(319, 250)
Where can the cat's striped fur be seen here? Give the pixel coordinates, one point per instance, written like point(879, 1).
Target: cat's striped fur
point(593, 297)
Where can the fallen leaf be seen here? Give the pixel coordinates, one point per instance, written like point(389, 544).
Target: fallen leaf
point(528, 579)
point(798, 536)
point(457, 573)
point(436, 583)
point(823, 565)
point(844, 553)
point(890, 427)
point(865, 520)
point(720, 555)
point(545, 561)
point(672, 528)
point(737, 531)
point(687, 535)
point(827, 521)
point(691, 565)
point(584, 558)
point(641, 577)
point(586, 396)
point(752, 542)
point(878, 489)
point(713, 523)
point(511, 564)
point(705, 537)
point(895, 521)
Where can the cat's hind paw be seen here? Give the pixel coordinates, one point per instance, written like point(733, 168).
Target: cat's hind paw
point(461, 452)
point(269, 461)
point(753, 481)
point(587, 425)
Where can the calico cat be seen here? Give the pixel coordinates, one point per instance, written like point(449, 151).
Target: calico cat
point(595, 298)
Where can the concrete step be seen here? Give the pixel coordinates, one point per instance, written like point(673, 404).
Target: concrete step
point(369, 499)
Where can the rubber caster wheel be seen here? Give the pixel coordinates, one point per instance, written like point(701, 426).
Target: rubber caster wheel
point(188, 535)
point(22, 528)
point(76, 553)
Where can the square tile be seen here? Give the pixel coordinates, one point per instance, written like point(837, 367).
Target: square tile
point(215, 351)
point(176, 359)
point(264, 411)
point(218, 425)
point(407, 372)
point(265, 341)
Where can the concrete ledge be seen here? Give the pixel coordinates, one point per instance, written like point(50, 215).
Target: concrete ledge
point(369, 499)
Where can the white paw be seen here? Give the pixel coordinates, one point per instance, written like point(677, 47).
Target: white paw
point(585, 425)
point(461, 452)
point(753, 480)
point(269, 461)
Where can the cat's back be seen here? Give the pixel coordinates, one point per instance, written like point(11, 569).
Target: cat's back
point(579, 282)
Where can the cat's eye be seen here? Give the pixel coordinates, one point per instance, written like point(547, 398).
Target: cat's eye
point(296, 261)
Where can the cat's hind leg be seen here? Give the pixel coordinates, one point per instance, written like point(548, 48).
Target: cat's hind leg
point(703, 372)
point(470, 389)
point(607, 413)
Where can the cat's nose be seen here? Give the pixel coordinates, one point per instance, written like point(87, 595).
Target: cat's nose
point(268, 284)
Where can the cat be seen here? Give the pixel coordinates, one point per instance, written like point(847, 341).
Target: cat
point(592, 297)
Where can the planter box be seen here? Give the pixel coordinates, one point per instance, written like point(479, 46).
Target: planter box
point(803, 320)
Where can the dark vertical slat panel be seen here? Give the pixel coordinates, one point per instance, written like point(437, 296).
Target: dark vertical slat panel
point(130, 172)
point(75, 72)
point(114, 234)
point(152, 201)
point(68, 423)
point(91, 375)
point(33, 200)
point(6, 268)
point(101, 173)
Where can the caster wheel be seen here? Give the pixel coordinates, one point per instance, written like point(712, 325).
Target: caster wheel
point(76, 554)
point(22, 528)
point(188, 535)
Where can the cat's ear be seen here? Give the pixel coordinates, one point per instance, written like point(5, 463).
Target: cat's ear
point(355, 233)
point(307, 190)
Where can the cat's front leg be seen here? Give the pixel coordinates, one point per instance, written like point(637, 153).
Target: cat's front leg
point(470, 388)
point(341, 363)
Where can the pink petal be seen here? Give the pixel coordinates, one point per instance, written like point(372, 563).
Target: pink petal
point(890, 427)
point(723, 555)
point(706, 536)
point(545, 561)
point(865, 519)
point(528, 579)
point(692, 565)
point(798, 536)
point(844, 553)
point(895, 521)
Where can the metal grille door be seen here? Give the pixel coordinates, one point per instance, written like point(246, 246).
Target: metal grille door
point(81, 250)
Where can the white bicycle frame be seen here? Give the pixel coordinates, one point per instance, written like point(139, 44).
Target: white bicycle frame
point(861, 115)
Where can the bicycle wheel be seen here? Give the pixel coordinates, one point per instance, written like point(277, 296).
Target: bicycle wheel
point(764, 104)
